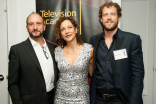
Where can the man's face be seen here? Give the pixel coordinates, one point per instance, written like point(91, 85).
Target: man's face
point(110, 18)
point(35, 26)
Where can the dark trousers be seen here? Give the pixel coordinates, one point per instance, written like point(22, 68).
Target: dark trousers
point(100, 100)
point(50, 96)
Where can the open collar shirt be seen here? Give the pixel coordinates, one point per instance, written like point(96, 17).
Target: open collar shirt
point(46, 64)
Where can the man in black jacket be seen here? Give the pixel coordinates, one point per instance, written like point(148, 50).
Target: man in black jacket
point(32, 68)
point(117, 60)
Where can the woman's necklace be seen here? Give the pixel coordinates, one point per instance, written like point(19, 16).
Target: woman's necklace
point(73, 50)
point(69, 52)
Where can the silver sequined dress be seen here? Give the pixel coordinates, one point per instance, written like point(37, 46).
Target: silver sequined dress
point(72, 86)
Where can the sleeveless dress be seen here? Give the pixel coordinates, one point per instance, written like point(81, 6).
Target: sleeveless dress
point(72, 86)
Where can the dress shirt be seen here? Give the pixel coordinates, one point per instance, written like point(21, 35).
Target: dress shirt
point(46, 64)
point(104, 62)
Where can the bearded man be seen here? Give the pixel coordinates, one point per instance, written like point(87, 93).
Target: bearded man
point(117, 62)
point(32, 68)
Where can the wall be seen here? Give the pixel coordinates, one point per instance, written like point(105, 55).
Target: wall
point(138, 17)
point(18, 10)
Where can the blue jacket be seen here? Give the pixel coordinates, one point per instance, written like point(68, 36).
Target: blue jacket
point(128, 73)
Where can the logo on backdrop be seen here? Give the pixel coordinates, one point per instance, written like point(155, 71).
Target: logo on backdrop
point(56, 15)
point(84, 11)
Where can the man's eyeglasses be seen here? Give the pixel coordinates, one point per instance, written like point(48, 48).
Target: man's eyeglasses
point(45, 52)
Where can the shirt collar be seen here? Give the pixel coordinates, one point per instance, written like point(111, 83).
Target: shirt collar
point(34, 42)
point(114, 36)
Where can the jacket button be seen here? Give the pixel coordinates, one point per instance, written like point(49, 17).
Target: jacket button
point(45, 93)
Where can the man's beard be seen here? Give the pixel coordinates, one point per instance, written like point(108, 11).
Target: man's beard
point(41, 34)
point(112, 28)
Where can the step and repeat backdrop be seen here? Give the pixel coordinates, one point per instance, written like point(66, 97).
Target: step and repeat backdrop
point(84, 11)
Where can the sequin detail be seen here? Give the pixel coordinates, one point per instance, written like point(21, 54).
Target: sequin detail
point(72, 86)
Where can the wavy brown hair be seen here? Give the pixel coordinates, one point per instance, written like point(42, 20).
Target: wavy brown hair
point(110, 4)
point(57, 31)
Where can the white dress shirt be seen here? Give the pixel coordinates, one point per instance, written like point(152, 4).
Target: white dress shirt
point(46, 64)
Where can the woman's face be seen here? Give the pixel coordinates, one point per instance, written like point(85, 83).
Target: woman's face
point(68, 31)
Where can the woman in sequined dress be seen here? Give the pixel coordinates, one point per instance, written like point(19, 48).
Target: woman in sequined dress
point(74, 60)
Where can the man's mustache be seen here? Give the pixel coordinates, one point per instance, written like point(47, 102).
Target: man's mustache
point(35, 31)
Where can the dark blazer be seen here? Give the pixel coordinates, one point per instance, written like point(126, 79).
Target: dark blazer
point(26, 83)
point(128, 73)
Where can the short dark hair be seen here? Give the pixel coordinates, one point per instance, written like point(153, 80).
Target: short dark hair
point(57, 31)
point(31, 14)
point(110, 4)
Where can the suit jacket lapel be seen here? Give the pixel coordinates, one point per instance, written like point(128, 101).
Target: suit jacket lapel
point(30, 50)
point(95, 50)
point(118, 44)
point(51, 49)
point(94, 54)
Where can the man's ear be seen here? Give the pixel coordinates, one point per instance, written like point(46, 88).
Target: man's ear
point(27, 28)
point(101, 19)
point(119, 18)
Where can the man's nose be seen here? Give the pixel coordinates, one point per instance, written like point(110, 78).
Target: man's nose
point(35, 26)
point(109, 16)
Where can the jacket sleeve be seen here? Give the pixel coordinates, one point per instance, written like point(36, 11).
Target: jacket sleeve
point(14, 77)
point(92, 41)
point(137, 69)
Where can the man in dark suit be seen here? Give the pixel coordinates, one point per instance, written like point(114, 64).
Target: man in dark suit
point(32, 68)
point(117, 60)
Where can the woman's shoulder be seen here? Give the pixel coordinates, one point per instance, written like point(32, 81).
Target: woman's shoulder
point(58, 49)
point(87, 45)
